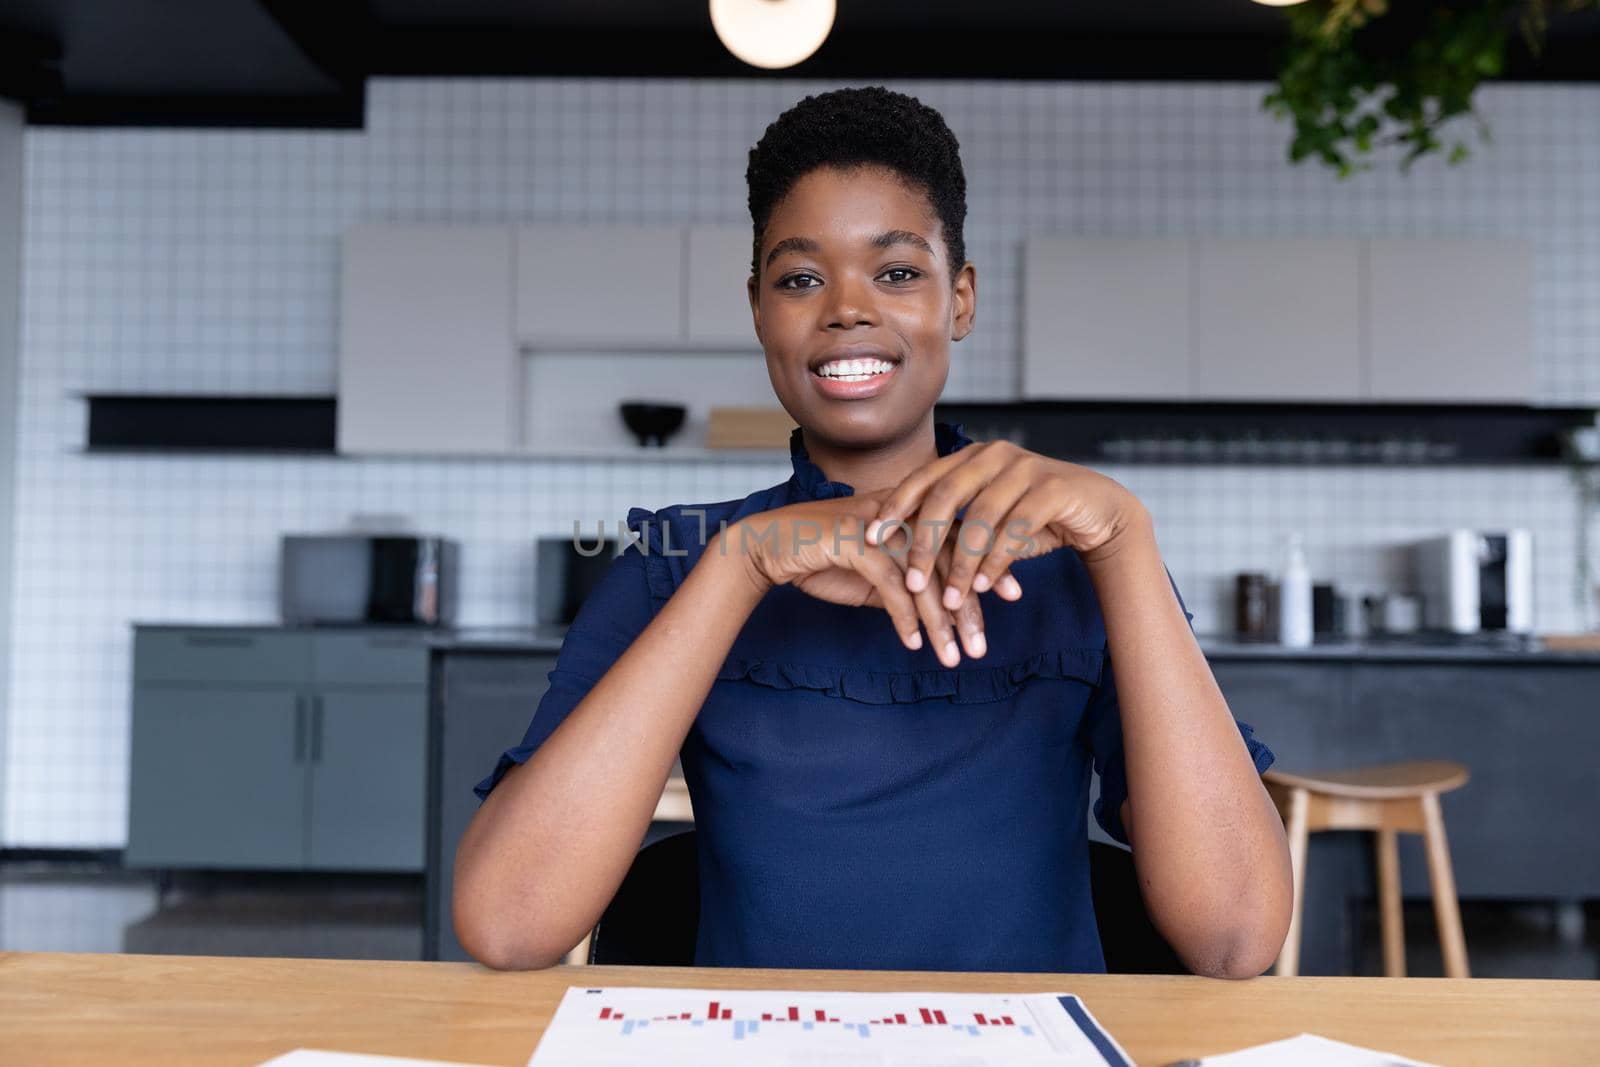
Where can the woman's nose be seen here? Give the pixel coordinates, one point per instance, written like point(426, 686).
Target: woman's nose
point(851, 305)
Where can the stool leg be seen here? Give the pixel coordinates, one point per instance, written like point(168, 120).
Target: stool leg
point(1289, 956)
point(1394, 931)
point(1446, 908)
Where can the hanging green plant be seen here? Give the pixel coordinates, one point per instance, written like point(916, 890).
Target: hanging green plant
point(1359, 76)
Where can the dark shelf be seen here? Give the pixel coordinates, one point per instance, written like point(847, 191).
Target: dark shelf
point(211, 424)
point(1095, 431)
point(1276, 434)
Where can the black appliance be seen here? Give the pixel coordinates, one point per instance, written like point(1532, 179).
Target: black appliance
point(354, 579)
point(566, 571)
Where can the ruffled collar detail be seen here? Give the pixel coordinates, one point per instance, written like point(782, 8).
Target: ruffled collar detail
point(810, 483)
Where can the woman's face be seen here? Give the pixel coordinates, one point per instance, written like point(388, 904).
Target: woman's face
point(855, 307)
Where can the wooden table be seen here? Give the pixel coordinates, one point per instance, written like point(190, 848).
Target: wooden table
point(176, 1010)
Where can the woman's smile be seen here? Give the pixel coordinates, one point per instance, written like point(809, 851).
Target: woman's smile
point(854, 372)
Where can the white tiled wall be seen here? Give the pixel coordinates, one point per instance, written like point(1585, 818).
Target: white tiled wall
point(207, 260)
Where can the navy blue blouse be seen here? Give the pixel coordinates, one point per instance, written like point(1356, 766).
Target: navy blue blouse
point(860, 804)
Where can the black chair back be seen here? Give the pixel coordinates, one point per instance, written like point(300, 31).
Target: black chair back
point(655, 916)
point(654, 919)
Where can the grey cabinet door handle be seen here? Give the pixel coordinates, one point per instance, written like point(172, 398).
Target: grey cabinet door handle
point(299, 728)
point(316, 729)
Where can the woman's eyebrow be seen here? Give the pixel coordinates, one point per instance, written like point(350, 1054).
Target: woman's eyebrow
point(792, 244)
point(887, 239)
point(901, 237)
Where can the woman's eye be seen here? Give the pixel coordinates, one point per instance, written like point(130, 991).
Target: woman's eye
point(785, 283)
point(906, 272)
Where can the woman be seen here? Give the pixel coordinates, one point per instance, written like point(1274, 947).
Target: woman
point(863, 796)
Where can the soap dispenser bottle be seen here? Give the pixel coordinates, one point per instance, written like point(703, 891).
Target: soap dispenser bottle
point(1294, 597)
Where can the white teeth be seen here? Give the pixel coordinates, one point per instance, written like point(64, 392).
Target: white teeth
point(854, 370)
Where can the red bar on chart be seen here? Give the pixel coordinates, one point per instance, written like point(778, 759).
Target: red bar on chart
point(926, 1016)
point(831, 1019)
point(794, 1014)
point(711, 1013)
point(822, 1016)
point(981, 1020)
point(605, 1013)
point(727, 1013)
point(938, 1016)
point(1008, 1021)
point(766, 1016)
point(899, 1018)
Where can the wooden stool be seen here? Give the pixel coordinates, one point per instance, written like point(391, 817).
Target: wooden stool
point(1389, 799)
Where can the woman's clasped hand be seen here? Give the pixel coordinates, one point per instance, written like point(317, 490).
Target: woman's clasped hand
point(961, 521)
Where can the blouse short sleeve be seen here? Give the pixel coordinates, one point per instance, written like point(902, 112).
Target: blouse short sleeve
point(1102, 731)
point(616, 611)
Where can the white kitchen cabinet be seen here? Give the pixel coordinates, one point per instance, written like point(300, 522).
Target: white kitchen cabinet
point(1277, 319)
point(426, 358)
point(1106, 318)
point(718, 305)
point(1450, 319)
point(599, 285)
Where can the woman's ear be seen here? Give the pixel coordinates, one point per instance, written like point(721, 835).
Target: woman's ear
point(754, 293)
point(964, 302)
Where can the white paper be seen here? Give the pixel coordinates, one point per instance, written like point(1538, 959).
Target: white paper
point(312, 1057)
point(1309, 1050)
point(609, 1027)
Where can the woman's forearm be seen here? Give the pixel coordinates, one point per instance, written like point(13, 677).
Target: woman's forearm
point(1208, 843)
point(548, 848)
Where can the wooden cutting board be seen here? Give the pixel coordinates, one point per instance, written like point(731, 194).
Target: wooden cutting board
point(748, 428)
point(1572, 642)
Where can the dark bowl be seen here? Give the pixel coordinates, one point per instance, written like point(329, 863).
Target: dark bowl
point(652, 422)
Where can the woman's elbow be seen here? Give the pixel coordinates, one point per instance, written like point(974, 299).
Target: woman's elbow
point(1236, 958)
point(493, 939)
point(1242, 949)
point(498, 945)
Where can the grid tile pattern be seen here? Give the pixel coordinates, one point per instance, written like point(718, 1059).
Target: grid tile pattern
point(192, 261)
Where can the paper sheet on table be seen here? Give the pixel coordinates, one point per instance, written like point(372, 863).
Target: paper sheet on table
point(610, 1027)
point(313, 1057)
point(1309, 1050)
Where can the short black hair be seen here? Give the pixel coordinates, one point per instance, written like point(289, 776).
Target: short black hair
point(858, 127)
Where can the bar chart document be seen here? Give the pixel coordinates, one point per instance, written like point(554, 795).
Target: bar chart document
point(755, 1028)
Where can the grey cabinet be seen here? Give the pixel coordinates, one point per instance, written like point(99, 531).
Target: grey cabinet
point(483, 702)
point(1106, 318)
point(368, 780)
point(219, 778)
point(278, 749)
point(1450, 320)
point(1277, 319)
point(426, 359)
point(1526, 732)
point(717, 302)
point(583, 286)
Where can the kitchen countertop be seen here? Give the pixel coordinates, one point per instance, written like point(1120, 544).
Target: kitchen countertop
point(1414, 648)
point(543, 638)
point(1401, 648)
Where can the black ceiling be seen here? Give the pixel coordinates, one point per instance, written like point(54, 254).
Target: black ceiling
point(305, 62)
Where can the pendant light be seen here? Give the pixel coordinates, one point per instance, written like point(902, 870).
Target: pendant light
point(772, 33)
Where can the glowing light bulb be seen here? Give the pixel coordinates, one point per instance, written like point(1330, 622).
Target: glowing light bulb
point(772, 33)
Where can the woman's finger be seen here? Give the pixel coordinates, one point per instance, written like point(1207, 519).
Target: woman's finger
point(940, 624)
point(968, 615)
point(936, 509)
point(889, 581)
point(981, 529)
point(901, 503)
point(1023, 533)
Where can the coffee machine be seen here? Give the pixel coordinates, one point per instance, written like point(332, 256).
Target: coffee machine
point(1472, 581)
